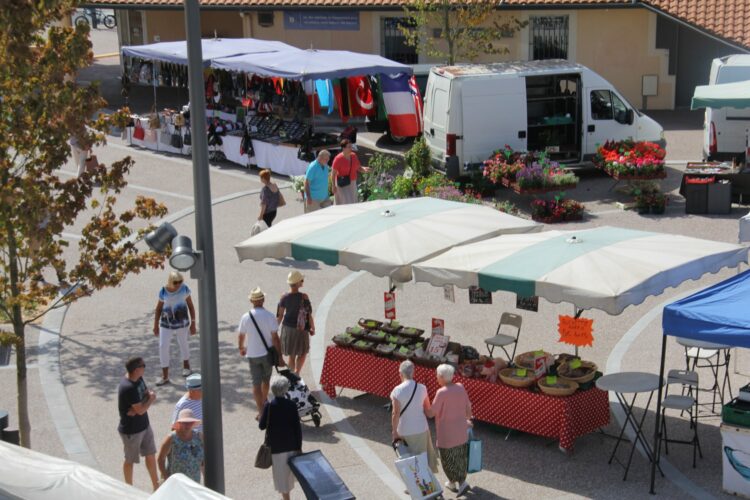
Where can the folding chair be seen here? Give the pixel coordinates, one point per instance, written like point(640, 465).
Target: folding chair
point(501, 340)
point(688, 380)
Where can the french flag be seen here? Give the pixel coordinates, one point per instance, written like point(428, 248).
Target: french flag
point(401, 105)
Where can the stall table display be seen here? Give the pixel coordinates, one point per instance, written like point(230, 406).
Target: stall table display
point(710, 195)
point(563, 418)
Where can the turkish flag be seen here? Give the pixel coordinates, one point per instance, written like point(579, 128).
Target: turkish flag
point(361, 100)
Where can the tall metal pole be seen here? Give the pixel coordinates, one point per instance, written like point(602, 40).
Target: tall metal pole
point(209, 340)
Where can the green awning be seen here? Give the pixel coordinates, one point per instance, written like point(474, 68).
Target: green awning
point(724, 95)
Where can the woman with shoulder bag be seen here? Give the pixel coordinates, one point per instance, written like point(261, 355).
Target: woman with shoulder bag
point(344, 169)
point(283, 429)
point(270, 198)
point(294, 314)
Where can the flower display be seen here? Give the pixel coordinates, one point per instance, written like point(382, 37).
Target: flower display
point(644, 160)
point(557, 210)
point(452, 193)
point(526, 170)
point(504, 164)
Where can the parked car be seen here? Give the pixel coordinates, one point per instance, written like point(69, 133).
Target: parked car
point(556, 106)
point(725, 129)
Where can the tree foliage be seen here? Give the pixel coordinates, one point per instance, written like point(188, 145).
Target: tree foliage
point(41, 108)
point(467, 30)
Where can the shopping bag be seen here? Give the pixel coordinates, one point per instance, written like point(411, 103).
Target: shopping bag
point(258, 227)
point(91, 163)
point(418, 478)
point(475, 453)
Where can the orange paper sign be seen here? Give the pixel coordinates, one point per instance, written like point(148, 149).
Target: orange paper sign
point(576, 331)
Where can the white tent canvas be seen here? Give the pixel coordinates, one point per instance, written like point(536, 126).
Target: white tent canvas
point(382, 237)
point(604, 268)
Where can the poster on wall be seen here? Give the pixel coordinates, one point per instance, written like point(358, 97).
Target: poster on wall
point(335, 20)
point(527, 303)
point(479, 295)
point(449, 293)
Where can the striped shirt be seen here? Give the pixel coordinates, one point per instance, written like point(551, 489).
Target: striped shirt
point(193, 404)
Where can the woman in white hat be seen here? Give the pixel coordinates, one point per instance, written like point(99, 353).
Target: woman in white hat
point(295, 316)
point(174, 317)
point(182, 450)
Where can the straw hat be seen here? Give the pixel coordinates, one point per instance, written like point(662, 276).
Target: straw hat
point(295, 277)
point(186, 416)
point(256, 294)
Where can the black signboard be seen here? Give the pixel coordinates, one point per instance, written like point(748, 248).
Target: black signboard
point(318, 479)
point(527, 303)
point(479, 295)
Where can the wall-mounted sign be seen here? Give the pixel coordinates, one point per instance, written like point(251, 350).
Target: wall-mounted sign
point(479, 295)
point(527, 303)
point(346, 20)
point(449, 293)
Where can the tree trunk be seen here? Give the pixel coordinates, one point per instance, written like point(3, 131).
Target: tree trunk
point(24, 426)
point(448, 33)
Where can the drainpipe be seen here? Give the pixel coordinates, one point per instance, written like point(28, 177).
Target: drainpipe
point(247, 24)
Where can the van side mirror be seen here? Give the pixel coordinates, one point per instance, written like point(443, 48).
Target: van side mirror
point(630, 116)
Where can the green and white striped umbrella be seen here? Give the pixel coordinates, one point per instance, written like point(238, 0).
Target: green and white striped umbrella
point(606, 268)
point(382, 237)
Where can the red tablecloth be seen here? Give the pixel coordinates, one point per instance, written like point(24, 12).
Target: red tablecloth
point(534, 413)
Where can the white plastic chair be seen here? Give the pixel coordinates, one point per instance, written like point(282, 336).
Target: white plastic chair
point(501, 340)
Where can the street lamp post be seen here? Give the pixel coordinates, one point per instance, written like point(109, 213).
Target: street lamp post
point(209, 341)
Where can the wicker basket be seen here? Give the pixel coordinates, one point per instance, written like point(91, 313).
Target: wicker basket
point(564, 368)
point(558, 391)
point(369, 324)
point(410, 332)
point(522, 360)
point(506, 375)
point(364, 346)
point(384, 350)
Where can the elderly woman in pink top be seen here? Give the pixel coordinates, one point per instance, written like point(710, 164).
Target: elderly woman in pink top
point(452, 411)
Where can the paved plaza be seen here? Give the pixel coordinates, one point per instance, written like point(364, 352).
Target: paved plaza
point(77, 356)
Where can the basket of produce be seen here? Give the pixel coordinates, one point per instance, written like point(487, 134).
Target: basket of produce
point(356, 331)
point(407, 331)
point(369, 324)
point(392, 327)
point(526, 359)
point(398, 340)
point(555, 386)
point(577, 371)
point(385, 350)
point(517, 377)
point(343, 340)
point(403, 353)
point(363, 345)
point(428, 360)
point(375, 336)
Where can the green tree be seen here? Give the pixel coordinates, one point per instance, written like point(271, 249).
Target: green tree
point(41, 107)
point(468, 30)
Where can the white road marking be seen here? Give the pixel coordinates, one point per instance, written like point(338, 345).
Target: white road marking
point(317, 354)
point(140, 188)
point(71, 236)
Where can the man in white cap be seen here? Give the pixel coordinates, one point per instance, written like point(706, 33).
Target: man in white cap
point(259, 327)
point(191, 400)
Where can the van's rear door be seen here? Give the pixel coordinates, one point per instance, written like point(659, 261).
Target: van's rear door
point(494, 114)
point(435, 115)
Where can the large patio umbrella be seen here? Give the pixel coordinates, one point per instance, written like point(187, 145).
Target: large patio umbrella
point(381, 237)
point(605, 268)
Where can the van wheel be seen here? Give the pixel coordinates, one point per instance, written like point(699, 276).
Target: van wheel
point(397, 139)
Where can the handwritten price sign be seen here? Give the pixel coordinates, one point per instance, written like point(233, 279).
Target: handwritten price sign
point(390, 305)
point(576, 331)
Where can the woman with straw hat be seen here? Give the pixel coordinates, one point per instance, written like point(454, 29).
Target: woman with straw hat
point(295, 316)
point(182, 450)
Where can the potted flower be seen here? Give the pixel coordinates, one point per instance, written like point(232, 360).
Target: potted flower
point(643, 203)
point(658, 203)
point(558, 209)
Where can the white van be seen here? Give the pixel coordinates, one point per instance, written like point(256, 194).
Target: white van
point(725, 129)
point(553, 105)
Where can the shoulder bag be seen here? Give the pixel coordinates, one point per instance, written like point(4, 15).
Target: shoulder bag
point(263, 457)
point(303, 318)
point(271, 352)
point(410, 399)
point(343, 181)
point(282, 201)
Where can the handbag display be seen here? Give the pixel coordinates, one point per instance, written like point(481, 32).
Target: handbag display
point(153, 121)
point(263, 457)
point(187, 139)
point(164, 136)
point(179, 120)
point(272, 353)
point(150, 135)
point(138, 133)
point(176, 141)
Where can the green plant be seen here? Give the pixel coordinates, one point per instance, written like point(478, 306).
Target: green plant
point(506, 206)
point(381, 164)
point(432, 181)
point(298, 183)
point(418, 158)
point(402, 187)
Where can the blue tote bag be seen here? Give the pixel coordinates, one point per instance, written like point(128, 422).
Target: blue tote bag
point(475, 453)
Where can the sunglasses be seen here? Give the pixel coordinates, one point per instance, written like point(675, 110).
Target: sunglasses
point(177, 282)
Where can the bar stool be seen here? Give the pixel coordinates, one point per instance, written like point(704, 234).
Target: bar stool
point(684, 403)
point(700, 354)
point(502, 341)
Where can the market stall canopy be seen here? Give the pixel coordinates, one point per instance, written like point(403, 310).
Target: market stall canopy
point(723, 95)
point(311, 64)
point(182, 487)
point(605, 268)
point(382, 237)
point(745, 229)
point(213, 48)
point(718, 314)
point(32, 475)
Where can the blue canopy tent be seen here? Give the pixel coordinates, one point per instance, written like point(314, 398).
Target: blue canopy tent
point(212, 48)
point(718, 314)
point(311, 64)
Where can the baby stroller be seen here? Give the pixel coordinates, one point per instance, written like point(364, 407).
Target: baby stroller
point(307, 405)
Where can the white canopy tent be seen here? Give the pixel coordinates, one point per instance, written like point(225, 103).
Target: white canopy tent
point(212, 48)
point(382, 237)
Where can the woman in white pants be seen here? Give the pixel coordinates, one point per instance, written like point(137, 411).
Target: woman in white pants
point(172, 319)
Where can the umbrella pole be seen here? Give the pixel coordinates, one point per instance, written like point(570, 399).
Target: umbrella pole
point(657, 428)
point(577, 312)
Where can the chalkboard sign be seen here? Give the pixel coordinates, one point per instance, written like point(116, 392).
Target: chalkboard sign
point(317, 477)
point(479, 295)
point(527, 303)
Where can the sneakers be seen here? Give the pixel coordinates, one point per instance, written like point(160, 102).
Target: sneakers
point(462, 489)
point(186, 372)
point(162, 382)
point(451, 486)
